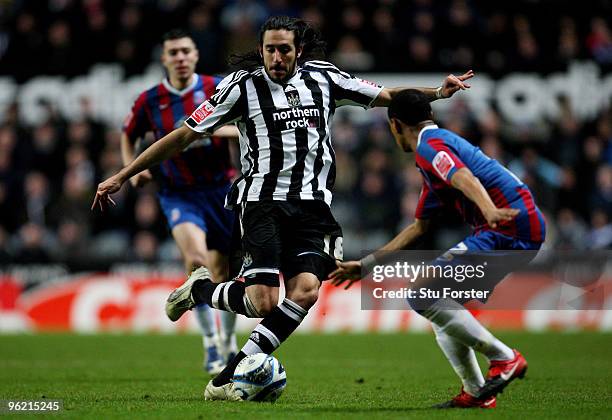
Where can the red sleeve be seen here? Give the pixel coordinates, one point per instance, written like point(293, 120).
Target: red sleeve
point(439, 159)
point(137, 123)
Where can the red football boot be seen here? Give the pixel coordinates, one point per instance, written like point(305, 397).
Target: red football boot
point(465, 400)
point(501, 373)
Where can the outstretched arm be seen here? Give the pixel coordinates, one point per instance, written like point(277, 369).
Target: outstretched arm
point(159, 151)
point(450, 85)
point(351, 270)
point(471, 187)
point(127, 155)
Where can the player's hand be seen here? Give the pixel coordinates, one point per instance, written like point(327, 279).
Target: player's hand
point(500, 215)
point(454, 83)
point(110, 186)
point(347, 271)
point(141, 179)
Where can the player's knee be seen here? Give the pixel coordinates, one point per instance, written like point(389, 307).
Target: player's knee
point(305, 295)
point(264, 304)
point(195, 258)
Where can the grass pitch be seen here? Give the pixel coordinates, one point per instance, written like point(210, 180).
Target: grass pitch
point(328, 376)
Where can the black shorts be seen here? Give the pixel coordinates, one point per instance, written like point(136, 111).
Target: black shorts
point(289, 237)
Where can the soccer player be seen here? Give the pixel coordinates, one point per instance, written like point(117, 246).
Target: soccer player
point(283, 102)
point(501, 209)
point(193, 182)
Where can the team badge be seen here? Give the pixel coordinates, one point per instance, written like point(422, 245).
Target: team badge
point(198, 97)
point(293, 97)
point(175, 215)
point(247, 260)
point(443, 164)
point(202, 112)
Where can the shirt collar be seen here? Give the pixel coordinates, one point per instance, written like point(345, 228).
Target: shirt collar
point(427, 127)
point(172, 89)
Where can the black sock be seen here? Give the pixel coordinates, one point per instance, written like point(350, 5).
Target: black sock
point(226, 375)
point(227, 296)
point(267, 336)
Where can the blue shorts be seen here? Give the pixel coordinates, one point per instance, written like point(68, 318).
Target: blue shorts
point(496, 255)
point(488, 240)
point(205, 208)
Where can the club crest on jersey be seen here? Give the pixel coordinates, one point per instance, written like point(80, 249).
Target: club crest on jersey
point(198, 96)
point(202, 112)
point(247, 260)
point(293, 97)
point(443, 164)
point(175, 214)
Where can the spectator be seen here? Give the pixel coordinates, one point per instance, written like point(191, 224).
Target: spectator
point(599, 41)
point(601, 197)
point(37, 197)
point(32, 244)
point(61, 56)
point(572, 231)
point(144, 247)
point(350, 55)
point(72, 242)
point(600, 236)
point(46, 170)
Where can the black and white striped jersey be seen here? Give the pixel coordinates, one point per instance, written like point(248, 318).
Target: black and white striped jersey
point(285, 142)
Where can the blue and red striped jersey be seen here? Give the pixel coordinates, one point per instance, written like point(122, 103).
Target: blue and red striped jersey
point(160, 110)
point(440, 153)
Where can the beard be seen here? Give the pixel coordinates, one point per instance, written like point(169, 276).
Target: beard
point(281, 73)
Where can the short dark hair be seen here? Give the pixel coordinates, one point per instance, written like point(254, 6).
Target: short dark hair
point(410, 106)
point(176, 33)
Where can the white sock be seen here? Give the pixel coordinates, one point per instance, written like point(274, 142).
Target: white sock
point(228, 325)
point(208, 324)
point(463, 360)
point(454, 320)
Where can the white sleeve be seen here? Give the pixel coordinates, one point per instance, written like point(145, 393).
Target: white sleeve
point(221, 109)
point(348, 89)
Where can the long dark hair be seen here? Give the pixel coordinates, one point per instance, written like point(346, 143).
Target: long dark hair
point(305, 36)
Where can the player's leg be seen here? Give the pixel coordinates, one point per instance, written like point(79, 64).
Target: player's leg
point(188, 228)
point(279, 323)
point(506, 363)
point(451, 318)
point(219, 222)
point(219, 268)
point(258, 246)
point(191, 241)
point(463, 360)
point(503, 371)
point(261, 301)
point(454, 320)
point(310, 239)
point(301, 292)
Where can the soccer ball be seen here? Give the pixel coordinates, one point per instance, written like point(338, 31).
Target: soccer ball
point(259, 377)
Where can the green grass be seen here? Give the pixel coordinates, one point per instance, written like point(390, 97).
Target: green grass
point(329, 376)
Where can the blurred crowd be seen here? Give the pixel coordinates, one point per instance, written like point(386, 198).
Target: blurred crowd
point(48, 175)
point(67, 37)
point(49, 172)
